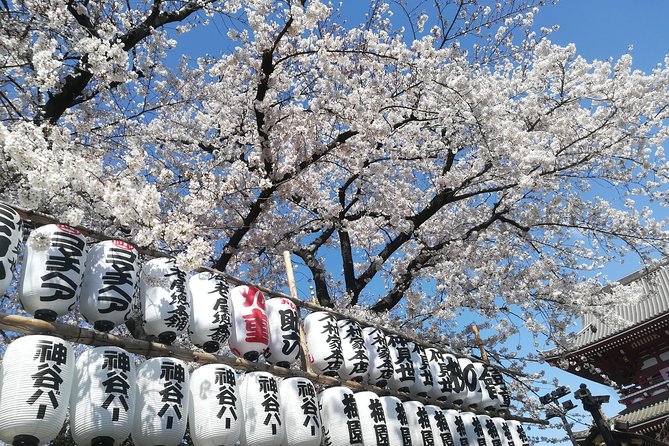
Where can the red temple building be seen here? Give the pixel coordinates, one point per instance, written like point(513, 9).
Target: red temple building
point(633, 353)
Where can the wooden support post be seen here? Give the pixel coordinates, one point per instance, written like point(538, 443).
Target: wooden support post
point(479, 342)
point(304, 350)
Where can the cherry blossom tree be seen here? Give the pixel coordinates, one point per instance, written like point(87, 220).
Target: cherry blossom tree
point(442, 161)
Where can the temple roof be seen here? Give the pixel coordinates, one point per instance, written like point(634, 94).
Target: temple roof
point(654, 303)
point(650, 415)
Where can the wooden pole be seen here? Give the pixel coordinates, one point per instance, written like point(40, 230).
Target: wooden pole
point(80, 335)
point(479, 342)
point(304, 350)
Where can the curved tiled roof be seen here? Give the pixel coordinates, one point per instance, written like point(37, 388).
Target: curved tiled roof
point(647, 413)
point(655, 302)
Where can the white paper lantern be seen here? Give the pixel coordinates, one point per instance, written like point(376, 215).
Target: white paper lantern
point(471, 382)
point(161, 414)
point(492, 435)
point(458, 389)
point(210, 310)
point(249, 337)
point(419, 424)
point(396, 420)
point(440, 428)
point(340, 416)
point(372, 419)
point(404, 374)
point(503, 398)
point(356, 361)
point(53, 266)
point(103, 400)
point(300, 412)
point(109, 284)
point(380, 365)
point(284, 332)
point(215, 410)
point(263, 416)
point(440, 379)
point(490, 396)
point(518, 433)
point(504, 431)
point(323, 342)
point(473, 428)
point(11, 234)
point(37, 375)
point(423, 382)
point(456, 426)
point(163, 299)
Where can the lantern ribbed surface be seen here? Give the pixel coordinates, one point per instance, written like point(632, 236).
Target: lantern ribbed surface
point(380, 365)
point(423, 382)
point(300, 412)
point(404, 373)
point(372, 419)
point(109, 284)
point(441, 385)
point(396, 420)
point(456, 426)
point(490, 399)
point(53, 266)
point(356, 361)
point(11, 234)
point(504, 431)
point(37, 377)
point(209, 311)
point(162, 402)
point(263, 418)
point(215, 410)
point(249, 336)
point(440, 429)
point(341, 421)
point(471, 382)
point(473, 428)
point(518, 433)
point(163, 298)
point(490, 432)
point(284, 332)
point(324, 343)
point(419, 424)
point(103, 400)
point(458, 386)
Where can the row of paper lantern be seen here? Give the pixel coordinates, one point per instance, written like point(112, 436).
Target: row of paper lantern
point(109, 399)
point(57, 268)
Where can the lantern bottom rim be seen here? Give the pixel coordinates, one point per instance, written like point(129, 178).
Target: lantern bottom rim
point(25, 440)
point(102, 441)
point(167, 337)
point(103, 325)
point(211, 346)
point(46, 315)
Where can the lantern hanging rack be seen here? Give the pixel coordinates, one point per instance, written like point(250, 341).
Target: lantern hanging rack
point(80, 335)
point(42, 219)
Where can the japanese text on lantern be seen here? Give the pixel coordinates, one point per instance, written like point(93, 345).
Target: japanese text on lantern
point(47, 379)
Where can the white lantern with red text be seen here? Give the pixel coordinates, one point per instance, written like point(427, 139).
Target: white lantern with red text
point(210, 310)
point(109, 284)
point(11, 234)
point(284, 332)
point(323, 342)
point(440, 429)
point(380, 365)
point(403, 372)
point(300, 412)
point(161, 414)
point(396, 420)
point(53, 266)
point(372, 419)
point(37, 376)
point(163, 299)
point(341, 421)
point(356, 361)
point(249, 337)
point(103, 400)
point(419, 424)
point(422, 383)
point(215, 410)
point(263, 418)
